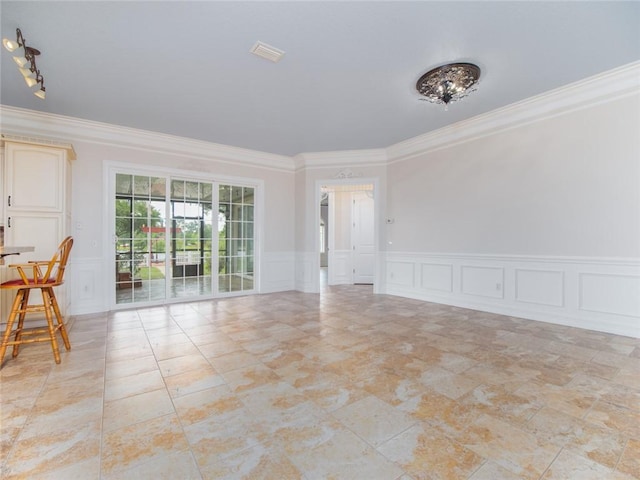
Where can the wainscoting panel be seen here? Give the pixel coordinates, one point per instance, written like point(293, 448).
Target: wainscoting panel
point(86, 283)
point(306, 281)
point(341, 267)
point(482, 281)
point(542, 287)
point(277, 272)
point(608, 293)
point(401, 274)
point(594, 293)
point(436, 277)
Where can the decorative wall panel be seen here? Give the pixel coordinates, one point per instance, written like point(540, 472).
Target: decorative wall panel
point(610, 293)
point(541, 287)
point(483, 281)
point(278, 270)
point(401, 274)
point(437, 277)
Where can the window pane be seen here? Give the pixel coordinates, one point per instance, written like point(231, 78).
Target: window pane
point(206, 192)
point(247, 213)
point(236, 194)
point(248, 196)
point(140, 228)
point(140, 208)
point(177, 190)
point(158, 188)
point(224, 194)
point(123, 184)
point(236, 212)
point(223, 283)
point(141, 186)
point(191, 191)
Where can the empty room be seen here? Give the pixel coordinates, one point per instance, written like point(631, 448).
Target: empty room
point(320, 240)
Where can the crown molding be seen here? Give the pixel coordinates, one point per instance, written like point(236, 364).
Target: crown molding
point(19, 121)
point(611, 85)
point(339, 159)
point(605, 87)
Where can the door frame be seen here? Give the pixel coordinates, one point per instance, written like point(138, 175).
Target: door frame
point(315, 265)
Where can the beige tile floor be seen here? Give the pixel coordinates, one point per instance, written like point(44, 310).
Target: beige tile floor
point(342, 385)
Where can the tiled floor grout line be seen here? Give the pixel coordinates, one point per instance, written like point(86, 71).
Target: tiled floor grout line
point(551, 463)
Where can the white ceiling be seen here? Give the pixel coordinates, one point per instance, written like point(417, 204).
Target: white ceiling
point(347, 80)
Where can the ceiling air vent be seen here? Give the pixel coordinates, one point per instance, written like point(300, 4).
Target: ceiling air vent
point(267, 51)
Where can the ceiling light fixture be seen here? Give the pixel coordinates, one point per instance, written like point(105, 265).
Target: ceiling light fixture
point(449, 82)
point(27, 63)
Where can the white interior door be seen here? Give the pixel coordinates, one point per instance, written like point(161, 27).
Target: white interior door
point(363, 237)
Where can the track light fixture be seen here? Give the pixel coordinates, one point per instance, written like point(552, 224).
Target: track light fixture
point(27, 63)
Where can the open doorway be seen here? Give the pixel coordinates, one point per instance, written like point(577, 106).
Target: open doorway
point(346, 234)
point(324, 239)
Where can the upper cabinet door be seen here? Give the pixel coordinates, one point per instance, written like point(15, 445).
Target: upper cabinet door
point(34, 175)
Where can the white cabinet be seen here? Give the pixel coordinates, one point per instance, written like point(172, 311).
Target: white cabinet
point(37, 209)
point(34, 175)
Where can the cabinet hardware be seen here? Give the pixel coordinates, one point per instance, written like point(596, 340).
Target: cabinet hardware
point(9, 201)
point(8, 222)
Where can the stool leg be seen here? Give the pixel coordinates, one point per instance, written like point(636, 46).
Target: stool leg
point(61, 326)
point(23, 312)
point(12, 317)
point(46, 300)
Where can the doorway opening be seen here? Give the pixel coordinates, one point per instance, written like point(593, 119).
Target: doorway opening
point(347, 233)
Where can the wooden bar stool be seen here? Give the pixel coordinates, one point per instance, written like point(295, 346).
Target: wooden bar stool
point(33, 275)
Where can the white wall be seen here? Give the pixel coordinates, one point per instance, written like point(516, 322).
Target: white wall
point(567, 185)
point(538, 219)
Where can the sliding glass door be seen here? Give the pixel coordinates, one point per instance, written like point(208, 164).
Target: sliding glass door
point(140, 225)
point(164, 231)
point(235, 238)
point(191, 238)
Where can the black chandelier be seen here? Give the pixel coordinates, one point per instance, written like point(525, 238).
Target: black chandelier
point(27, 63)
point(449, 82)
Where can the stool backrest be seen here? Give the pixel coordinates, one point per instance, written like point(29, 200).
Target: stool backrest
point(58, 263)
